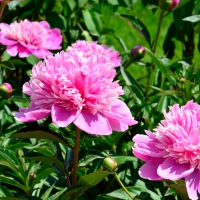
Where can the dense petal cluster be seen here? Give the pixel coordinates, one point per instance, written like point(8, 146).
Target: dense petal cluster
point(92, 48)
point(27, 38)
point(74, 88)
point(173, 151)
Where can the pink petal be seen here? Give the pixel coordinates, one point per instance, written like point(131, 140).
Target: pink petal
point(61, 116)
point(121, 112)
point(45, 24)
point(93, 124)
point(40, 53)
point(12, 50)
point(149, 169)
point(172, 170)
point(26, 88)
point(141, 156)
point(8, 41)
point(31, 114)
point(117, 126)
point(193, 184)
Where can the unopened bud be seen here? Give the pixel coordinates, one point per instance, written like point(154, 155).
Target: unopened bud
point(5, 90)
point(138, 52)
point(168, 4)
point(109, 164)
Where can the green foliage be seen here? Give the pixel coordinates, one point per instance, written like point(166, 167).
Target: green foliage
point(36, 158)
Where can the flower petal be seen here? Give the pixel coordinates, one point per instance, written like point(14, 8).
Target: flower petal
point(149, 169)
point(31, 114)
point(121, 112)
point(172, 170)
point(61, 116)
point(93, 124)
point(193, 184)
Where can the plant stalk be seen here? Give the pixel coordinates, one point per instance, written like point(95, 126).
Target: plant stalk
point(75, 163)
point(122, 185)
point(158, 30)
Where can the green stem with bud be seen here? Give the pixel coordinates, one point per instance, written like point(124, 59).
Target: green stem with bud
point(76, 150)
point(122, 185)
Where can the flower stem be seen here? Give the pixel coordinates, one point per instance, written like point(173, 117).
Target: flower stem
point(76, 150)
point(158, 30)
point(121, 184)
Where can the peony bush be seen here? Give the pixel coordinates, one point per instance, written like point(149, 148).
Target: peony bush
point(124, 72)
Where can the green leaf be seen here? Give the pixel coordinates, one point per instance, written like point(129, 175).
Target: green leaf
point(180, 189)
point(163, 103)
point(1, 76)
point(11, 198)
point(42, 175)
point(32, 59)
point(122, 159)
point(40, 133)
point(103, 197)
point(189, 72)
point(7, 65)
point(84, 183)
point(121, 41)
point(89, 22)
point(135, 23)
point(194, 18)
point(85, 161)
point(57, 195)
point(12, 181)
point(134, 191)
point(45, 159)
point(130, 81)
point(164, 69)
point(8, 155)
point(47, 193)
point(4, 192)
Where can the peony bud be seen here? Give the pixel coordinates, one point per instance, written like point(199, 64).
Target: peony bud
point(138, 52)
point(168, 4)
point(5, 90)
point(109, 164)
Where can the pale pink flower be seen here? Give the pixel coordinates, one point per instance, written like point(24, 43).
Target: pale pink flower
point(173, 151)
point(92, 48)
point(27, 38)
point(73, 88)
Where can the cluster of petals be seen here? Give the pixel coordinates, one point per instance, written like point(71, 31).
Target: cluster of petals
point(74, 88)
point(173, 151)
point(25, 38)
point(93, 48)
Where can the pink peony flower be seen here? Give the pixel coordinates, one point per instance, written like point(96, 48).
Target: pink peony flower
point(73, 88)
point(92, 48)
point(27, 38)
point(173, 152)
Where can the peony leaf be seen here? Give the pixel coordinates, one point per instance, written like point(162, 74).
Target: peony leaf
point(164, 69)
point(122, 159)
point(85, 161)
point(135, 23)
point(40, 133)
point(84, 183)
point(180, 189)
point(194, 18)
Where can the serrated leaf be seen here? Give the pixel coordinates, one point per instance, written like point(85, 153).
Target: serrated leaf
point(40, 133)
point(137, 24)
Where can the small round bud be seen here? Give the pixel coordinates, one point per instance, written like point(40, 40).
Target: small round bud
point(32, 176)
point(138, 52)
point(5, 90)
point(109, 164)
point(168, 4)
